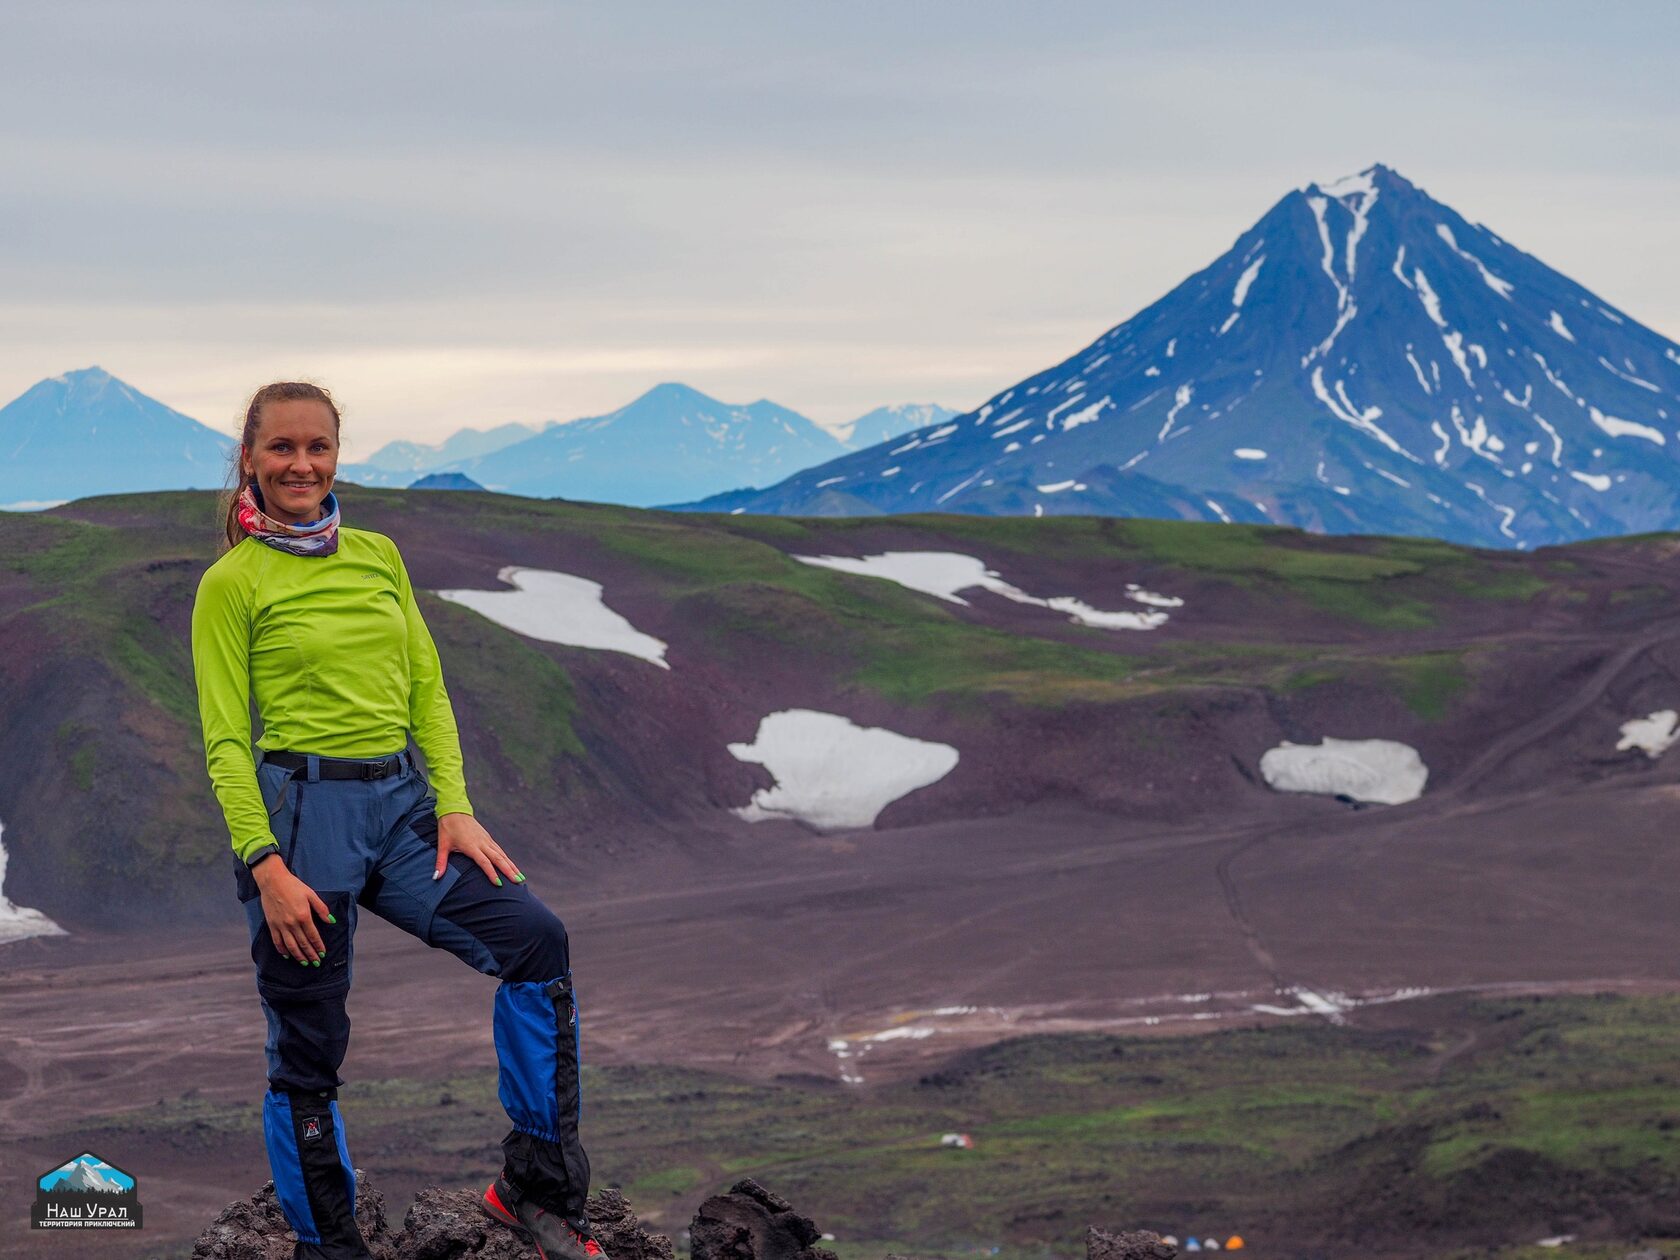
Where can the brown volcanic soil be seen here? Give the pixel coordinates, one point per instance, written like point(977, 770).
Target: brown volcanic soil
point(1049, 921)
point(1107, 860)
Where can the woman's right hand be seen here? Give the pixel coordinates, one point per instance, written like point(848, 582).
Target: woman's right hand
point(290, 906)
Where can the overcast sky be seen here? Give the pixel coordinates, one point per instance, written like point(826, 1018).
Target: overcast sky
point(465, 214)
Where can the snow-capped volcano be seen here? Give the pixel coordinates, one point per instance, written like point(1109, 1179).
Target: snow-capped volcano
point(1362, 360)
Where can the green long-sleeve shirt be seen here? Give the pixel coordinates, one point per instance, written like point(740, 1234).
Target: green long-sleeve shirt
point(339, 659)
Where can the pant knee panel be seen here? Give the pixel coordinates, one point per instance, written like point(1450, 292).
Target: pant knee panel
point(525, 937)
point(307, 1043)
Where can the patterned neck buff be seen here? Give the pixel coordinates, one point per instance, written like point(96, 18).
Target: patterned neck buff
point(313, 538)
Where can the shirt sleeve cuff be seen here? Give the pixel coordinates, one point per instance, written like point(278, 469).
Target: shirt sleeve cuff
point(454, 805)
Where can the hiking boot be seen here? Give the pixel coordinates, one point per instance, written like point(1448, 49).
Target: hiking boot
point(556, 1238)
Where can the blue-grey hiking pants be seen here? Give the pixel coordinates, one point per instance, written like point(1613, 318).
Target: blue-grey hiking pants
point(372, 843)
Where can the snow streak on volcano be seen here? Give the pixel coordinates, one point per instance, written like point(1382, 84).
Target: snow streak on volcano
point(1362, 360)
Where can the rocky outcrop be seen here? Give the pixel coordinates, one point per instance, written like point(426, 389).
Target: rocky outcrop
point(1136, 1245)
point(439, 1225)
point(751, 1223)
point(748, 1223)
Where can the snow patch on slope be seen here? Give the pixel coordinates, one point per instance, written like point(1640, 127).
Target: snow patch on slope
point(943, 573)
point(1383, 771)
point(1653, 735)
point(1501, 287)
point(20, 922)
point(559, 608)
point(832, 774)
point(1625, 428)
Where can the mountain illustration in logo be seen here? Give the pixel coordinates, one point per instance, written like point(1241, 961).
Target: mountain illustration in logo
point(87, 1174)
point(86, 1193)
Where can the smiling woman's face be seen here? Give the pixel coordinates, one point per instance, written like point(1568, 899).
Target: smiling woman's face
point(294, 458)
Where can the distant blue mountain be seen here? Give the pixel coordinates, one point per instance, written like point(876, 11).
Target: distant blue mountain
point(445, 481)
point(1362, 360)
point(643, 449)
point(885, 423)
point(671, 443)
point(86, 432)
point(396, 463)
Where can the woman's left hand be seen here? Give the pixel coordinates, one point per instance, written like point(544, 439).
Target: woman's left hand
point(462, 833)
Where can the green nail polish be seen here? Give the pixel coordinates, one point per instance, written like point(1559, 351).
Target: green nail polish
point(317, 962)
point(519, 879)
point(498, 881)
point(322, 954)
point(331, 918)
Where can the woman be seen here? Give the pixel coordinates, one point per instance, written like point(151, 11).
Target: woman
point(319, 622)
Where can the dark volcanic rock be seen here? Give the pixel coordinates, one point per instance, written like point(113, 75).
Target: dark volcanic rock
point(1136, 1245)
point(621, 1233)
point(254, 1229)
point(440, 1225)
point(751, 1223)
point(445, 1224)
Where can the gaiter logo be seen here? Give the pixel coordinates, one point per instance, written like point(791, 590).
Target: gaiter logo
point(86, 1193)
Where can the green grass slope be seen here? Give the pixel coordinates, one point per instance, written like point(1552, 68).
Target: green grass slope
point(1281, 631)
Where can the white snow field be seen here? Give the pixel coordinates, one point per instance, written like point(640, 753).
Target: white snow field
point(1383, 771)
point(833, 774)
point(19, 922)
point(1653, 735)
point(944, 573)
point(559, 608)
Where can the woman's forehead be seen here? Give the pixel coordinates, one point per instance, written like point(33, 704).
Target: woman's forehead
point(295, 418)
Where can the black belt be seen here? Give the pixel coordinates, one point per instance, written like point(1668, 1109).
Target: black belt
point(342, 767)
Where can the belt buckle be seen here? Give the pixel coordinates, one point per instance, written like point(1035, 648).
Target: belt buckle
point(376, 770)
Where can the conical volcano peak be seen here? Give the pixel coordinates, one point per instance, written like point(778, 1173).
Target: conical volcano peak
point(1374, 179)
point(1363, 359)
point(87, 432)
point(1364, 181)
point(88, 378)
